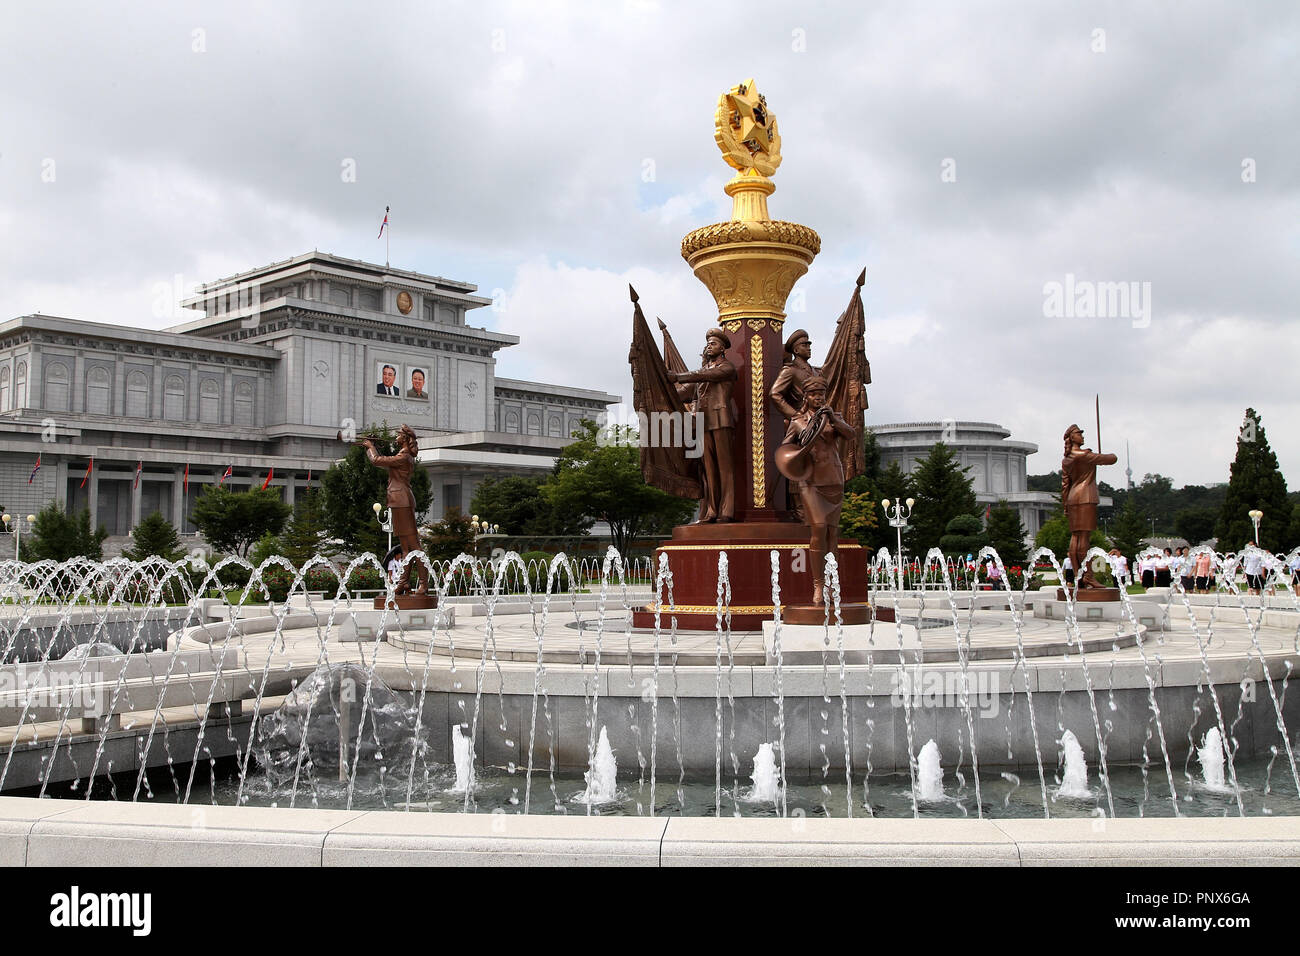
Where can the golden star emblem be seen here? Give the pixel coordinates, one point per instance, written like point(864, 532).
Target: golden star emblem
point(746, 130)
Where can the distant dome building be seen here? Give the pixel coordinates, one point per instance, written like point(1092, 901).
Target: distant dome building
point(997, 466)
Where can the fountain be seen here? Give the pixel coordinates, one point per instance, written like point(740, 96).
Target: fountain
point(463, 761)
point(602, 778)
point(1210, 755)
point(929, 774)
point(766, 777)
point(1074, 779)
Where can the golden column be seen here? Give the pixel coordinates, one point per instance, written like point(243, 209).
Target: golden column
point(750, 264)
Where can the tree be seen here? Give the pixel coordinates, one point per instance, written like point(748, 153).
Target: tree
point(352, 486)
point(306, 536)
point(1006, 534)
point(1055, 534)
point(601, 480)
point(1129, 528)
point(448, 538)
point(233, 520)
point(942, 493)
point(963, 535)
point(518, 505)
point(154, 536)
point(59, 536)
point(1255, 483)
point(1195, 524)
point(860, 516)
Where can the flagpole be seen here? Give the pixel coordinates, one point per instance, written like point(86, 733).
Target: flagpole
point(388, 235)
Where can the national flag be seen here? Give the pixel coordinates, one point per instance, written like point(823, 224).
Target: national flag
point(139, 467)
point(269, 475)
point(308, 478)
point(230, 470)
point(35, 470)
point(384, 223)
point(186, 486)
point(988, 510)
point(87, 474)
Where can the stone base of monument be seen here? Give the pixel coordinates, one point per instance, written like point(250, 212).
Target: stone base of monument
point(1090, 595)
point(693, 559)
point(407, 602)
point(816, 614)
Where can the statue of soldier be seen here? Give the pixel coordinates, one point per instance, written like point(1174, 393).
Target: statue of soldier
point(787, 391)
point(1079, 496)
point(713, 383)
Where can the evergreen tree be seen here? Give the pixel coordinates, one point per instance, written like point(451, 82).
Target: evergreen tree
point(1255, 483)
point(351, 488)
point(942, 493)
point(306, 537)
point(1006, 534)
point(1129, 528)
point(59, 536)
point(964, 535)
point(1055, 534)
point(1195, 524)
point(154, 536)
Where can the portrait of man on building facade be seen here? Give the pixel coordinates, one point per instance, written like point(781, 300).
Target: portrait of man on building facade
point(388, 380)
point(417, 385)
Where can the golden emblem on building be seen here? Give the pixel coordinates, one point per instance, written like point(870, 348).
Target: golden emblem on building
point(404, 302)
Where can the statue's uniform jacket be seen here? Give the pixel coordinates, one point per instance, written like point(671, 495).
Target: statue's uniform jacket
point(1079, 480)
point(787, 390)
point(401, 500)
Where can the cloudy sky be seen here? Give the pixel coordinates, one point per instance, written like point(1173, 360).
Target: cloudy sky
point(969, 155)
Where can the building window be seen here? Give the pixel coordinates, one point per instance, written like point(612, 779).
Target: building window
point(174, 399)
point(4, 389)
point(20, 386)
point(554, 427)
point(370, 299)
point(512, 422)
point(340, 297)
point(534, 423)
point(244, 403)
point(137, 395)
point(210, 401)
point(97, 390)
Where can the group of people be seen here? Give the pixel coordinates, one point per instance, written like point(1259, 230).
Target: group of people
point(1155, 569)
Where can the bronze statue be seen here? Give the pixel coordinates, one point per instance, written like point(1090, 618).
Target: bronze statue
point(787, 390)
point(1079, 496)
point(401, 501)
point(711, 395)
point(810, 457)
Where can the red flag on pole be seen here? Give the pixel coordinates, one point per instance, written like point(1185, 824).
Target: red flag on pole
point(269, 475)
point(35, 470)
point(87, 474)
point(139, 467)
point(309, 478)
point(383, 224)
point(230, 470)
point(187, 478)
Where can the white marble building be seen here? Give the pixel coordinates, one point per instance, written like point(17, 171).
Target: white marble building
point(997, 465)
point(284, 357)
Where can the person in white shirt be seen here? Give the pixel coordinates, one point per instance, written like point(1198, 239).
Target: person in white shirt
point(1067, 570)
point(1119, 564)
point(1253, 565)
point(1162, 568)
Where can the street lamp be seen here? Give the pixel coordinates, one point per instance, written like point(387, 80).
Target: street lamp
point(898, 521)
point(1255, 515)
point(385, 519)
point(31, 522)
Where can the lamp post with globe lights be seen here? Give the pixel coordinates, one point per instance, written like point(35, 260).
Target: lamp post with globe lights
point(1255, 515)
point(898, 515)
point(17, 528)
point(385, 519)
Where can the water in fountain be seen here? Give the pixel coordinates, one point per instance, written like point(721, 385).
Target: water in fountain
point(1211, 757)
point(464, 760)
point(1074, 778)
point(929, 774)
point(602, 777)
point(767, 779)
